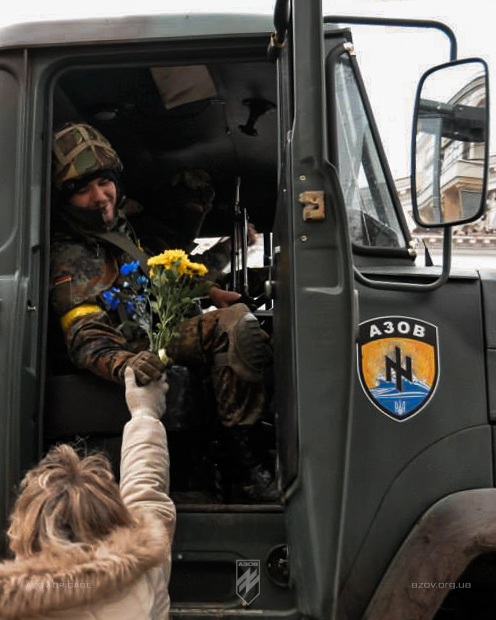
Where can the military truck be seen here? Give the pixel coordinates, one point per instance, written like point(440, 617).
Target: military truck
point(384, 402)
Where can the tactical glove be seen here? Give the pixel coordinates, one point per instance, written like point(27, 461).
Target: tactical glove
point(146, 367)
point(147, 400)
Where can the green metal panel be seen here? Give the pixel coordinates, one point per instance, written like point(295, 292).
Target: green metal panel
point(318, 298)
point(398, 469)
point(12, 286)
point(132, 29)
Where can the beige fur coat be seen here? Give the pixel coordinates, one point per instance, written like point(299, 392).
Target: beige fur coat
point(126, 576)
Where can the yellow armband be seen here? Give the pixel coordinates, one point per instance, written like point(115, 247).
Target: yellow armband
point(76, 312)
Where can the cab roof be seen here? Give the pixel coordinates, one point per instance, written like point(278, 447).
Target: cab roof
point(132, 28)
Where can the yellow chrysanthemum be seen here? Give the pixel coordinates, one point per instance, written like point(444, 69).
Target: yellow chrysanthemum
point(168, 258)
point(180, 260)
point(182, 267)
point(174, 285)
point(194, 269)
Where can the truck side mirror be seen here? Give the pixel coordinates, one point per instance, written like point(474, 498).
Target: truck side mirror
point(450, 144)
point(450, 155)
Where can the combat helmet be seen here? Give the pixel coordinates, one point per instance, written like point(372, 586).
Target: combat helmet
point(80, 150)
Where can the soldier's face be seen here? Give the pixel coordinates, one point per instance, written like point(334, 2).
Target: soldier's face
point(100, 195)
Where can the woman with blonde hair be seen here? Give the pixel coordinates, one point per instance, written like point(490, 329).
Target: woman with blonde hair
point(86, 547)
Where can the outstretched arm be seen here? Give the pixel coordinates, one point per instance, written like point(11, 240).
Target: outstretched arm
point(145, 470)
point(145, 455)
point(93, 343)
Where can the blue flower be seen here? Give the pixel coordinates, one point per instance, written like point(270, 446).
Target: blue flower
point(110, 299)
point(129, 268)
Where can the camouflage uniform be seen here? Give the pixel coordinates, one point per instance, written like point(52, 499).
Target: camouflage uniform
point(84, 270)
point(81, 273)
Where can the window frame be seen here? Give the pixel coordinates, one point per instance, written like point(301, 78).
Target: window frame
point(332, 59)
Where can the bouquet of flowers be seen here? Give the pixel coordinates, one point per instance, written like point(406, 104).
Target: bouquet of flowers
point(175, 285)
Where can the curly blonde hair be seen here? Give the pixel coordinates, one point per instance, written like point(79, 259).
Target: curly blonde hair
point(65, 501)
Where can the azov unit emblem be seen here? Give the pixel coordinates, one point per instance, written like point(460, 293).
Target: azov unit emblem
point(398, 364)
point(248, 580)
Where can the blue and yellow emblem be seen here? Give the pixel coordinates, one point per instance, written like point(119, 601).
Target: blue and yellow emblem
point(398, 364)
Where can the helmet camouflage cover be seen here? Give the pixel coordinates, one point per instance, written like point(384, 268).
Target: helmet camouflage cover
point(80, 149)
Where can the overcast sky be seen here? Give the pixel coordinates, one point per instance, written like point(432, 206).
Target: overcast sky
point(391, 62)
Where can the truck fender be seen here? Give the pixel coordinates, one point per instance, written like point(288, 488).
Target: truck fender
point(448, 536)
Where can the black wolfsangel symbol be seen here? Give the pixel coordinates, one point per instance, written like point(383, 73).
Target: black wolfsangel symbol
point(248, 580)
point(400, 372)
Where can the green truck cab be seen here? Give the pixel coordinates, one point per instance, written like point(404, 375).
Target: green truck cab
point(384, 403)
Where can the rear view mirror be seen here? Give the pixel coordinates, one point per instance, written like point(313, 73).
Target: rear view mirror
point(450, 144)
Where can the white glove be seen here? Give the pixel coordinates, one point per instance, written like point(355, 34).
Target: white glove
point(147, 400)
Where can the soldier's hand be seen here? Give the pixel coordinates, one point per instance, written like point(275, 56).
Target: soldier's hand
point(148, 399)
point(146, 366)
point(251, 233)
point(223, 299)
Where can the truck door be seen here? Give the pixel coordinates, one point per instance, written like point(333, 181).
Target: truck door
point(427, 347)
point(19, 283)
point(315, 317)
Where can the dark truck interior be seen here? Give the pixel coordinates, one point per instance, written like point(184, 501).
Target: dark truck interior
point(215, 113)
point(220, 118)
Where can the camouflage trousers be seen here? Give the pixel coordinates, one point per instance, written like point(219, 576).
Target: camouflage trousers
point(239, 402)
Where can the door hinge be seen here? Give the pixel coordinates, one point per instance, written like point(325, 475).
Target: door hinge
point(314, 208)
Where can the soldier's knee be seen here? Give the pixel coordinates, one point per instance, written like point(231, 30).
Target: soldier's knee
point(248, 353)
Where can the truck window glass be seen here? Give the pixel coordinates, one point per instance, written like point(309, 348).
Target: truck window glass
point(9, 96)
point(371, 215)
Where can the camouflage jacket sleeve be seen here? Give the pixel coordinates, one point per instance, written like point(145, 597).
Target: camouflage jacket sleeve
point(79, 273)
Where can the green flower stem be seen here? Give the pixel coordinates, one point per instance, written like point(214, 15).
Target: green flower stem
point(171, 299)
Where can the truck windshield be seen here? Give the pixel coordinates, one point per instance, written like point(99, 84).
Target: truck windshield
point(371, 214)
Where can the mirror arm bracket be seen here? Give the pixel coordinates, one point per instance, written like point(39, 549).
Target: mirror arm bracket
point(407, 286)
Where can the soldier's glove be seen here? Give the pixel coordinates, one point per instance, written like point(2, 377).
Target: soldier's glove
point(147, 400)
point(146, 367)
